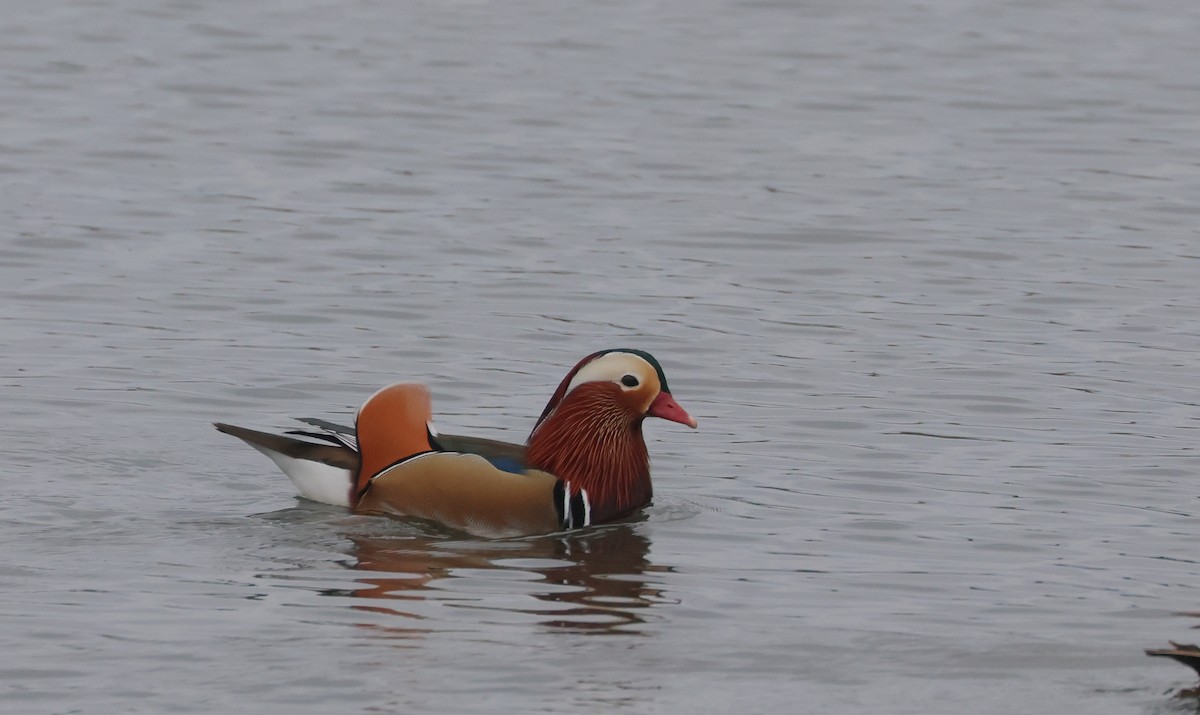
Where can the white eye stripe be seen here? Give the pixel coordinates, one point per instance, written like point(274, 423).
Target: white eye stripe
point(612, 367)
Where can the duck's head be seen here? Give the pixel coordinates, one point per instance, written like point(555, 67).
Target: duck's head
point(625, 377)
point(590, 434)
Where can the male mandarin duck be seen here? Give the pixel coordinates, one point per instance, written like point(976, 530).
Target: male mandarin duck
point(585, 461)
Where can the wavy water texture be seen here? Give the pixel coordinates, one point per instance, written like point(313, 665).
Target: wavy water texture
point(925, 272)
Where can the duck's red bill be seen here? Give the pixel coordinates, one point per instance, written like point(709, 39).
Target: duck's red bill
point(666, 407)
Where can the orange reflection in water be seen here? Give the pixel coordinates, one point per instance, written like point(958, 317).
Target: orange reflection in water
point(595, 581)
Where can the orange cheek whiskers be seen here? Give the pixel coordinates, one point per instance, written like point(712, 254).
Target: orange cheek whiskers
point(595, 442)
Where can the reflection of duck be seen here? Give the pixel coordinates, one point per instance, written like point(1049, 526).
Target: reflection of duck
point(592, 581)
point(584, 463)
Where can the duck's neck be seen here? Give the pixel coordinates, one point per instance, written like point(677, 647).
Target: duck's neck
point(591, 441)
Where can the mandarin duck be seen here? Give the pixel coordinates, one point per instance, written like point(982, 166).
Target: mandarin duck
point(584, 463)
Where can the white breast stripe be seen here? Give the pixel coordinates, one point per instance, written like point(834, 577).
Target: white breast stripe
point(587, 508)
point(403, 462)
point(568, 517)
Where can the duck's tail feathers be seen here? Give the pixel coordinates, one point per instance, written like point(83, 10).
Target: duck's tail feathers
point(392, 425)
point(332, 431)
point(322, 471)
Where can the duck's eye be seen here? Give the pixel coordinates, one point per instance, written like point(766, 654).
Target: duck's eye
point(629, 381)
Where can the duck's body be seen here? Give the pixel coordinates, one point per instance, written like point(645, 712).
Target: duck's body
point(584, 463)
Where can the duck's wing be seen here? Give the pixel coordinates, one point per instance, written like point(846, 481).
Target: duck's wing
point(503, 455)
point(405, 471)
point(506, 455)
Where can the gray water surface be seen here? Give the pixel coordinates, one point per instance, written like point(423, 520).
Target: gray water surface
point(927, 274)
